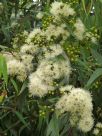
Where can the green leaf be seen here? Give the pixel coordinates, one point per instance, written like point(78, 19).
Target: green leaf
point(21, 129)
point(96, 74)
point(3, 69)
point(0, 67)
point(83, 3)
point(15, 86)
point(3, 47)
point(6, 32)
point(23, 87)
point(97, 56)
point(21, 118)
point(53, 128)
point(40, 123)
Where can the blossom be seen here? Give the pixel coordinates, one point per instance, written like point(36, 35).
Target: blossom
point(96, 131)
point(90, 36)
point(78, 103)
point(61, 104)
point(79, 100)
point(37, 87)
point(40, 15)
point(30, 49)
point(41, 81)
point(56, 31)
point(52, 51)
point(17, 68)
point(86, 124)
point(93, 40)
point(31, 36)
point(67, 88)
point(54, 69)
point(60, 8)
point(99, 125)
point(79, 29)
point(27, 61)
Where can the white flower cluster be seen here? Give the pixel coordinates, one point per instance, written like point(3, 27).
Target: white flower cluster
point(20, 65)
point(40, 15)
point(78, 103)
point(37, 86)
point(17, 68)
point(53, 66)
point(79, 29)
point(52, 31)
point(60, 8)
point(98, 129)
point(52, 51)
point(56, 31)
point(27, 55)
point(35, 32)
point(28, 49)
point(91, 37)
point(27, 61)
point(48, 72)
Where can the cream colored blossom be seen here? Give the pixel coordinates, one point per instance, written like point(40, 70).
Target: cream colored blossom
point(53, 51)
point(37, 87)
point(78, 103)
point(79, 100)
point(61, 104)
point(66, 88)
point(99, 125)
point(30, 49)
point(27, 61)
point(96, 131)
point(60, 8)
point(86, 124)
point(54, 69)
point(79, 29)
point(47, 72)
point(17, 68)
point(91, 37)
point(56, 31)
point(36, 31)
point(40, 15)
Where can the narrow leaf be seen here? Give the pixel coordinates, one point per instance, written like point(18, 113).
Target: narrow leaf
point(97, 56)
point(96, 74)
point(15, 86)
point(21, 118)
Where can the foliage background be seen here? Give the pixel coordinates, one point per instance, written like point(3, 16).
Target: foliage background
point(20, 115)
